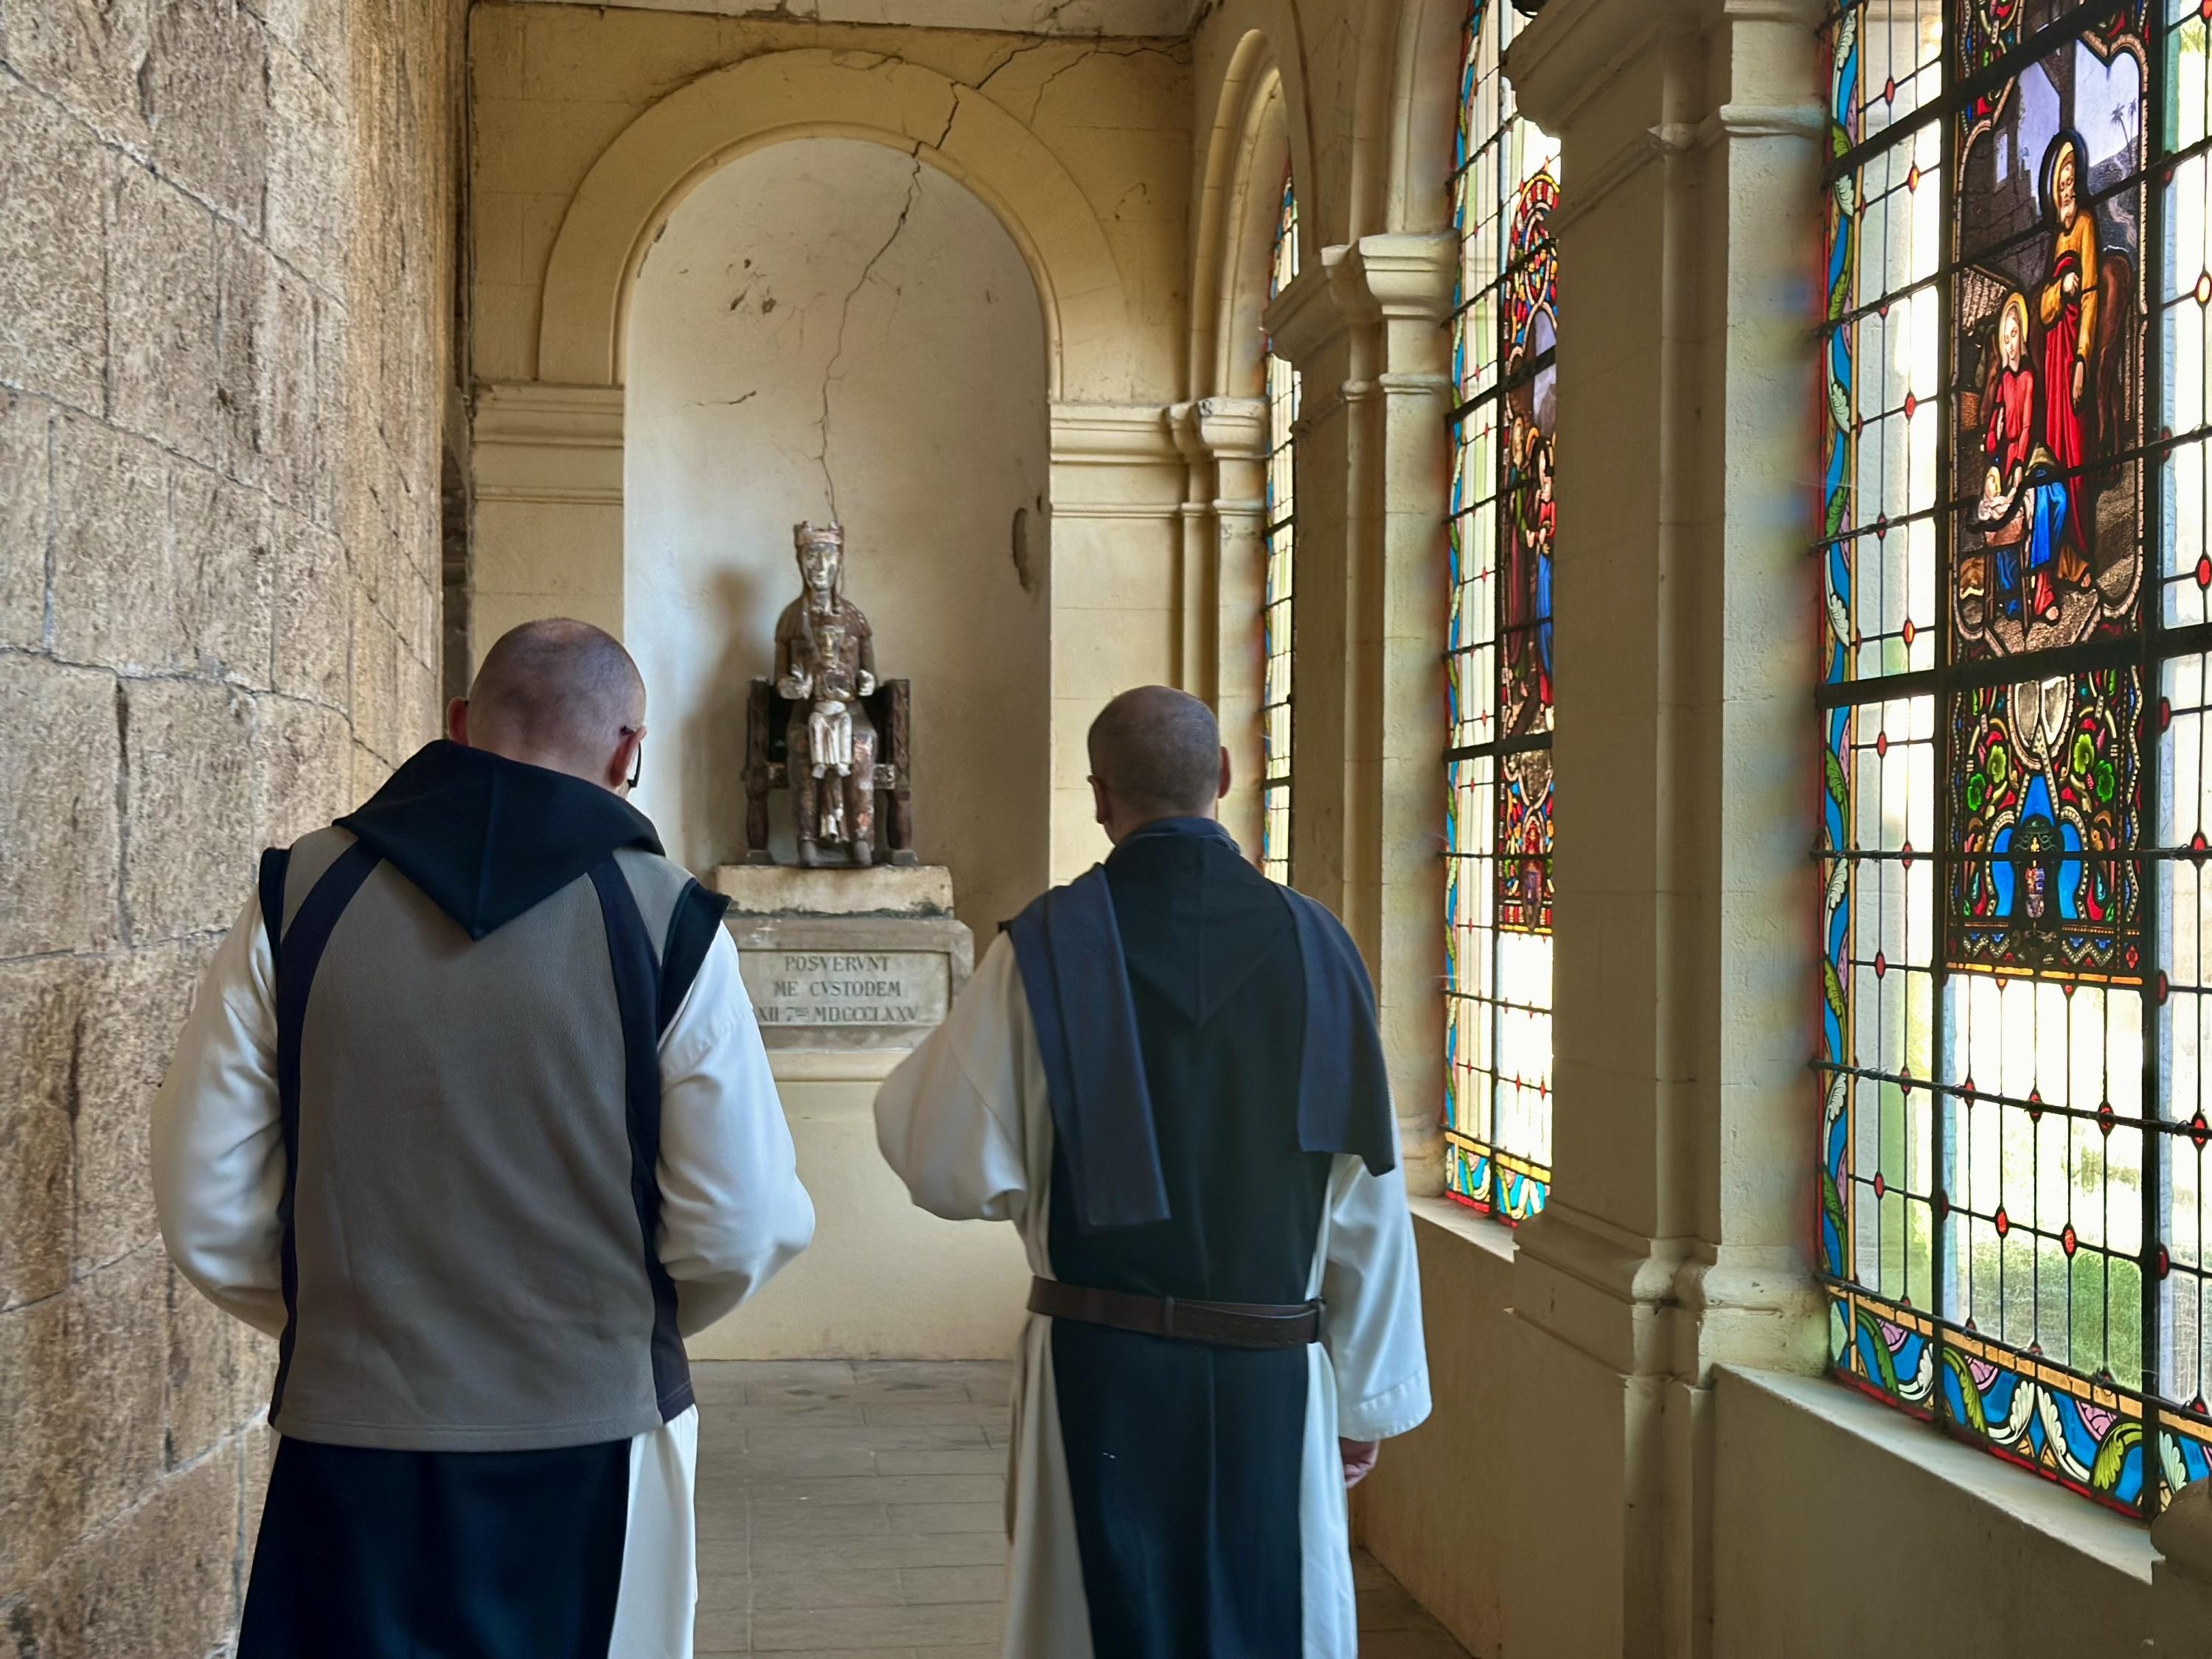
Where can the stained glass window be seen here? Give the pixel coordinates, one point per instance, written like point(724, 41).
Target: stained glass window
point(1282, 538)
point(1497, 660)
point(2012, 1205)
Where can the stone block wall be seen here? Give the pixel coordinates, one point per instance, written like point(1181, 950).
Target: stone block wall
point(225, 311)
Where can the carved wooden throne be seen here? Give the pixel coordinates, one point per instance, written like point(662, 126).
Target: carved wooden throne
point(768, 767)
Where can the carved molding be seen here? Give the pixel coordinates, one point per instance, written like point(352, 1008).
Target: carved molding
point(1673, 1307)
point(1113, 434)
point(530, 441)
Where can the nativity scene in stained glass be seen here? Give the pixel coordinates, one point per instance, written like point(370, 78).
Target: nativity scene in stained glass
point(2013, 1210)
point(2047, 310)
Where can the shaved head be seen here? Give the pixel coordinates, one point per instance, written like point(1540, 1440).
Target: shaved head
point(1157, 752)
point(556, 693)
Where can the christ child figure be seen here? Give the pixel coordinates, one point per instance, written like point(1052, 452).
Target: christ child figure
point(825, 660)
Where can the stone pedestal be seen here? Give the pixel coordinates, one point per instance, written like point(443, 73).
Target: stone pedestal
point(848, 970)
point(839, 960)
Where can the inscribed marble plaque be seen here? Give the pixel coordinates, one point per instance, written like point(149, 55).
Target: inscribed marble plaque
point(846, 990)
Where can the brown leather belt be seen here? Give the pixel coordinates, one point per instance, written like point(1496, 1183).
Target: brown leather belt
point(1223, 1324)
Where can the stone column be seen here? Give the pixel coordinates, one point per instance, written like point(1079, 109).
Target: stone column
point(1225, 442)
point(1675, 1239)
point(1118, 487)
point(547, 467)
point(1312, 324)
point(1365, 326)
point(1402, 288)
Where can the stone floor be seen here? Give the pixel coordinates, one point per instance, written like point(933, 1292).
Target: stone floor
point(851, 1509)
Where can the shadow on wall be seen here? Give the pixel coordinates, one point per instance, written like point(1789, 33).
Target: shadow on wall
point(829, 327)
point(714, 735)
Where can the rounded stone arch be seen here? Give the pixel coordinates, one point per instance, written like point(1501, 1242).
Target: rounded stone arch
point(638, 181)
point(1405, 113)
point(1254, 139)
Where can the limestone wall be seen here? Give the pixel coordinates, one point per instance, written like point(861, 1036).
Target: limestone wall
point(224, 272)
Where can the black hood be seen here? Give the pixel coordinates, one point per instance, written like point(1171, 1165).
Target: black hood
point(1196, 920)
point(486, 838)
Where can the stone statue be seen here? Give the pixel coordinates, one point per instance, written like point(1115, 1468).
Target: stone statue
point(825, 665)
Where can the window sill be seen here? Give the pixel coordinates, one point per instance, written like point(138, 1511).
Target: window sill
point(2068, 1520)
point(1486, 1233)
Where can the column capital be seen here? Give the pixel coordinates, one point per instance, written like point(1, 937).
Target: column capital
point(1403, 278)
point(1305, 318)
point(1220, 429)
point(1576, 49)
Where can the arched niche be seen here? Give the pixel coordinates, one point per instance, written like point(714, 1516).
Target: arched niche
point(628, 195)
point(548, 454)
point(825, 328)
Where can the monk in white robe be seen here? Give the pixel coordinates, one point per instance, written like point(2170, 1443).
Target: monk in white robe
point(1167, 1076)
point(472, 1115)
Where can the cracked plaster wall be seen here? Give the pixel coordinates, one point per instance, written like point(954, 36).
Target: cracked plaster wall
point(829, 328)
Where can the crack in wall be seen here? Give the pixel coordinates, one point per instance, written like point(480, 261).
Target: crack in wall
point(829, 375)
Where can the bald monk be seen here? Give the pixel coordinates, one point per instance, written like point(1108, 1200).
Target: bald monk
point(1167, 1075)
point(472, 1115)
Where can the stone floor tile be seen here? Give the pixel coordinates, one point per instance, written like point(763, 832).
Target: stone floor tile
point(751, 1373)
point(966, 1460)
point(956, 1408)
point(1434, 1642)
point(884, 1390)
point(885, 1489)
point(883, 1627)
point(786, 1591)
point(950, 1517)
point(722, 1591)
point(819, 1408)
point(722, 1526)
point(724, 1631)
point(733, 1465)
point(927, 1584)
point(957, 1373)
point(856, 1512)
point(772, 1552)
point(770, 1435)
point(781, 1518)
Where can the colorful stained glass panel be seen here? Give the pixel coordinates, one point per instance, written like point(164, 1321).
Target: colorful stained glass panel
point(1498, 657)
point(1277, 614)
point(2011, 1205)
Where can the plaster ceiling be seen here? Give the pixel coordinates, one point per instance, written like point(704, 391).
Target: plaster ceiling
point(1082, 17)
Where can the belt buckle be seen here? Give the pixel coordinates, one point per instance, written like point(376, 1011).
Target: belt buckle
point(1167, 1315)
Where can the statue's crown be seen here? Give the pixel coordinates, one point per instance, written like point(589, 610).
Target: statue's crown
point(804, 535)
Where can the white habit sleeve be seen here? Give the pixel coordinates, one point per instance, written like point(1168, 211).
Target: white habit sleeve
point(218, 1141)
point(1372, 1296)
point(948, 1119)
point(732, 1212)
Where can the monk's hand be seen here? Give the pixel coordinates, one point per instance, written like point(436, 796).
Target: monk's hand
point(2081, 378)
point(1359, 1457)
